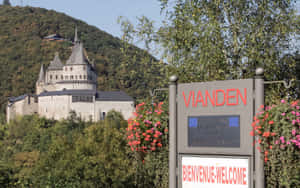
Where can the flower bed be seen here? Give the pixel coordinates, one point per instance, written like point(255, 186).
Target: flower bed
point(277, 128)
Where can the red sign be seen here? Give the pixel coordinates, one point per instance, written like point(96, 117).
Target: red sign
point(214, 172)
point(218, 97)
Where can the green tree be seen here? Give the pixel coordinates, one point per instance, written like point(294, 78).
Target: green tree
point(6, 2)
point(209, 40)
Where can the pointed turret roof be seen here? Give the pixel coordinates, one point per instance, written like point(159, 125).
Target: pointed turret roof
point(76, 40)
point(77, 57)
point(56, 63)
point(41, 75)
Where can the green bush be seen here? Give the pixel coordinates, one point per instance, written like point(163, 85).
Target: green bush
point(277, 129)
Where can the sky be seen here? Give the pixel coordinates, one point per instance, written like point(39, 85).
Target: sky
point(104, 13)
point(101, 13)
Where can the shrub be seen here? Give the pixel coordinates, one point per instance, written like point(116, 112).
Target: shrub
point(147, 131)
point(277, 129)
point(147, 136)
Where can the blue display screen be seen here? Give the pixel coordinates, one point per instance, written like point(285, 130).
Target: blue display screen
point(214, 131)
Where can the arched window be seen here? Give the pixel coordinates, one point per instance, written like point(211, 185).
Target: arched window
point(50, 77)
point(61, 77)
point(71, 77)
point(84, 68)
point(66, 69)
point(84, 77)
point(71, 68)
point(76, 77)
point(80, 77)
point(56, 77)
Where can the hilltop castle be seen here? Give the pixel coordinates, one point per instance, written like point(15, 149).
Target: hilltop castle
point(63, 88)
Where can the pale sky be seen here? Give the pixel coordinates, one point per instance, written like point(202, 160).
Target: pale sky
point(104, 13)
point(100, 13)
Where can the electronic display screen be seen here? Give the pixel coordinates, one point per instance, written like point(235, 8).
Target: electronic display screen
point(214, 131)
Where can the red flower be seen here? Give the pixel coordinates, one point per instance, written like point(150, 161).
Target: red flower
point(266, 134)
point(159, 144)
point(271, 122)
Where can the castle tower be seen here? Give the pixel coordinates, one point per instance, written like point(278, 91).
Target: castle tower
point(41, 81)
point(76, 74)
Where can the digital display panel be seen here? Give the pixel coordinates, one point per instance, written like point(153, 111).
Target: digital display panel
point(214, 131)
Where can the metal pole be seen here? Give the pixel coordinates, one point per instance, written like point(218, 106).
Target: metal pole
point(172, 131)
point(259, 100)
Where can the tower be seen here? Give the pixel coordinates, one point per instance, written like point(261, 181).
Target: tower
point(41, 81)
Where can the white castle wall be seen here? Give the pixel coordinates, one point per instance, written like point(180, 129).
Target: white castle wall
point(56, 107)
point(125, 107)
point(85, 110)
point(27, 106)
point(57, 75)
point(74, 85)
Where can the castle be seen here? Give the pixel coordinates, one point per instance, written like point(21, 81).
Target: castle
point(63, 88)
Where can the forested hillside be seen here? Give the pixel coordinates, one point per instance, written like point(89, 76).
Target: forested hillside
point(23, 50)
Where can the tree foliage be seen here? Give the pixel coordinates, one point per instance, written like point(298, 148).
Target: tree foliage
point(215, 40)
point(6, 2)
point(38, 152)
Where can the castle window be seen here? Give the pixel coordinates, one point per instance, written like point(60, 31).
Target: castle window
point(102, 116)
point(76, 77)
point(50, 77)
point(36, 99)
point(84, 68)
point(66, 68)
point(80, 77)
point(61, 77)
point(28, 99)
point(82, 98)
point(71, 68)
point(71, 77)
point(84, 76)
point(66, 77)
point(56, 77)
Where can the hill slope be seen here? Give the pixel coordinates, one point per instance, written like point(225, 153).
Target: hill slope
point(23, 50)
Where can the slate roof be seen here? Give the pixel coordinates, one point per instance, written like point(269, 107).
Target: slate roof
point(77, 57)
point(15, 99)
point(100, 95)
point(41, 75)
point(56, 64)
point(113, 96)
point(54, 37)
point(68, 92)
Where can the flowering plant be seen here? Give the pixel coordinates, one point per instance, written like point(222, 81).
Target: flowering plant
point(277, 128)
point(148, 129)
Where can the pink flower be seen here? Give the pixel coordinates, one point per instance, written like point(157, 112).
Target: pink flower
point(282, 101)
point(294, 122)
point(282, 139)
point(288, 142)
point(283, 114)
point(293, 112)
point(293, 132)
point(297, 107)
point(277, 142)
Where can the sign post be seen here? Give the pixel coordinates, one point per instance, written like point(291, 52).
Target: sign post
point(259, 101)
point(209, 134)
point(172, 132)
